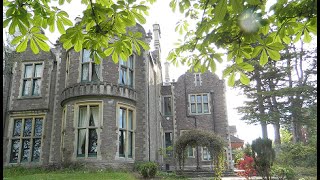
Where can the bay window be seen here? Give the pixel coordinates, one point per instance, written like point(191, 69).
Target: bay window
point(90, 71)
point(126, 72)
point(126, 129)
point(87, 130)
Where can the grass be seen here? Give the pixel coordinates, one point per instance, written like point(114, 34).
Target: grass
point(22, 173)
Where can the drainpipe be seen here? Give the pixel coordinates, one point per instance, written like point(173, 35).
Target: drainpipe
point(148, 100)
point(212, 111)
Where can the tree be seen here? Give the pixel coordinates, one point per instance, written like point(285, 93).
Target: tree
point(264, 156)
point(102, 29)
point(280, 88)
point(238, 26)
point(241, 28)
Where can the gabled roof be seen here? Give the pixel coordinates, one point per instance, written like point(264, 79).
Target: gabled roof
point(235, 139)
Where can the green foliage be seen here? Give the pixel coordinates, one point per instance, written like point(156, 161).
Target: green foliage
point(166, 151)
point(282, 172)
point(297, 155)
point(193, 138)
point(286, 136)
point(306, 171)
point(147, 169)
point(170, 175)
point(263, 155)
point(244, 29)
point(239, 154)
point(103, 28)
point(247, 150)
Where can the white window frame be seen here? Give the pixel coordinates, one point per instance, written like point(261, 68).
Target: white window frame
point(21, 138)
point(91, 61)
point(133, 130)
point(196, 80)
point(163, 105)
point(208, 154)
point(196, 104)
point(98, 127)
point(32, 78)
point(128, 69)
point(193, 148)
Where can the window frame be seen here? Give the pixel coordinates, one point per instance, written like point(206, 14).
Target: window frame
point(163, 105)
point(31, 79)
point(127, 70)
point(168, 153)
point(208, 154)
point(133, 131)
point(196, 104)
point(97, 127)
point(21, 137)
point(193, 148)
point(197, 82)
point(90, 69)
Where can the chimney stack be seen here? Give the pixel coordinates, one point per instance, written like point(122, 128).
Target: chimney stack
point(157, 36)
point(166, 73)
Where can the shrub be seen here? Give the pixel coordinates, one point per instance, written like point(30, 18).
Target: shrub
point(297, 155)
point(282, 172)
point(148, 169)
point(263, 155)
point(246, 164)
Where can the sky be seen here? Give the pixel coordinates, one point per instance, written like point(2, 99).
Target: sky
point(161, 14)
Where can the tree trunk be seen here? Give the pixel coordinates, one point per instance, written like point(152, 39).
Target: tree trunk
point(260, 106)
point(277, 140)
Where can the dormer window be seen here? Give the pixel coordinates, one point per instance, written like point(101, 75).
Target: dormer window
point(90, 71)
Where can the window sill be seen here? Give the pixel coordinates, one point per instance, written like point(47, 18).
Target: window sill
point(193, 114)
point(126, 86)
point(29, 97)
point(124, 159)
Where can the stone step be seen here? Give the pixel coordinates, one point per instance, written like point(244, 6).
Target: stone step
point(201, 173)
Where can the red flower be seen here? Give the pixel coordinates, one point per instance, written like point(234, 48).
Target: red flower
point(247, 166)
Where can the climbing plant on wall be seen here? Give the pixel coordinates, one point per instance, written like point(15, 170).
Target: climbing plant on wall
point(193, 138)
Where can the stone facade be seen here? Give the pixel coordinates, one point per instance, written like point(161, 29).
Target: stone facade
point(182, 118)
point(63, 97)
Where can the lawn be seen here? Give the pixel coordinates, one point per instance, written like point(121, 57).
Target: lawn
point(20, 173)
point(62, 174)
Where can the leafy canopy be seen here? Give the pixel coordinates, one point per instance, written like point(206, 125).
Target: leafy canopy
point(243, 28)
point(103, 28)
